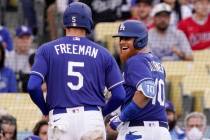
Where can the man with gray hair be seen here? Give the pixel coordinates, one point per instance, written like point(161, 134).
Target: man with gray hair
point(195, 125)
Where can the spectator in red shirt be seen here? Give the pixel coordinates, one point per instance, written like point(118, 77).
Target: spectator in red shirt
point(197, 27)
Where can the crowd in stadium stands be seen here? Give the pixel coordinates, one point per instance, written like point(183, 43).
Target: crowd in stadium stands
point(40, 129)
point(18, 58)
point(165, 41)
point(197, 27)
point(194, 123)
point(141, 11)
point(179, 11)
point(7, 76)
point(176, 29)
point(8, 127)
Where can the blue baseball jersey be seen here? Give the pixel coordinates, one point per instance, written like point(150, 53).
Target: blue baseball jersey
point(8, 81)
point(4, 32)
point(143, 67)
point(76, 71)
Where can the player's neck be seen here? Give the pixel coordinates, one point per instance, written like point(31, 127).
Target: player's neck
point(144, 50)
point(76, 32)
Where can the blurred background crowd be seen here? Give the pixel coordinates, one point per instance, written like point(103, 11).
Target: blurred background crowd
point(179, 34)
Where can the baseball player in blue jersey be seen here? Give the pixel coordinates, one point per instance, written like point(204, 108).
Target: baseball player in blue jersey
point(143, 114)
point(76, 71)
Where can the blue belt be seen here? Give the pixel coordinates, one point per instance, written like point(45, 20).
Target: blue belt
point(64, 110)
point(141, 123)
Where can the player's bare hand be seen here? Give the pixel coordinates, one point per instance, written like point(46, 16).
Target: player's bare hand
point(175, 50)
point(178, 52)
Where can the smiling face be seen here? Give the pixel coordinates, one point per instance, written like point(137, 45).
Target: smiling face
point(126, 48)
point(201, 7)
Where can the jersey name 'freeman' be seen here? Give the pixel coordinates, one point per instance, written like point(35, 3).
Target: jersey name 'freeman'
point(76, 49)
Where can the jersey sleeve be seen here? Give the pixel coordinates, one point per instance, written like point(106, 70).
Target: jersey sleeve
point(113, 74)
point(40, 64)
point(139, 75)
point(137, 71)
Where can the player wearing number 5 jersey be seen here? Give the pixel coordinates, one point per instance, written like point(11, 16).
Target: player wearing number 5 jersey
point(76, 71)
point(143, 113)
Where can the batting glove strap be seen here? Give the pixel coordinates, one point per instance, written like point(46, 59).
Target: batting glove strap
point(115, 123)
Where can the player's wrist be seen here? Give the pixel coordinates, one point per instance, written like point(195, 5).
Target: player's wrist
point(130, 112)
point(115, 123)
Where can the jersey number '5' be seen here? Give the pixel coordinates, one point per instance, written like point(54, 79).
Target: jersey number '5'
point(75, 74)
point(160, 93)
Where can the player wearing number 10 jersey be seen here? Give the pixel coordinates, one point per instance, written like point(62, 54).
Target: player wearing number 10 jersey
point(76, 71)
point(143, 113)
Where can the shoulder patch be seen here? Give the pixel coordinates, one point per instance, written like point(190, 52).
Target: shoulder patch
point(148, 88)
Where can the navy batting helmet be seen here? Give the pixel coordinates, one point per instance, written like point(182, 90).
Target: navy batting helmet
point(135, 29)
point(78, 14)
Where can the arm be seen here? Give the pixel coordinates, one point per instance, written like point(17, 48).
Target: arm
point(113, 82)
point(8, 40)
point(138, 102)
point(140, 99)
point(182, 55)
point(34, 89)
point(117, 98)
point(184, 40)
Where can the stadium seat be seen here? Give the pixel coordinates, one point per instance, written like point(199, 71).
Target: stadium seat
point(188, 102)
point(207, 98)
point(195, 82)
point(22, 108)
point(186, 77)
point(199, 68)
point(207, 113)
point(202, 55)
point(175, 93)
point(183, 68)
point(104, 29)
point(104, 32)
point(198, 104)
point(111, 44)
point(175, 72)
point(177, 67)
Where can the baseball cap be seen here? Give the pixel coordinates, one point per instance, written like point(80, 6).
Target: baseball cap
point(134, 2)
point(169, 106)
point(23, 30)
point(33, 137)
point(161, 7)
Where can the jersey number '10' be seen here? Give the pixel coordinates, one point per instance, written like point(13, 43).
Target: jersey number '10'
point(75, 74)
point(160, 96)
